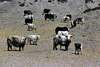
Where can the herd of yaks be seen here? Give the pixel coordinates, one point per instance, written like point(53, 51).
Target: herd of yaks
point(62, 37)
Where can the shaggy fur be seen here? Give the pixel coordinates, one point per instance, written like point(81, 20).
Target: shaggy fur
point(62, 41)
point(16, 41)
point(33, 38)
point(31, 27)
point(51, 16)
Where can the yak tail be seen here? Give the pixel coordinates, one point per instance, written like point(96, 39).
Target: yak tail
point(8, 41)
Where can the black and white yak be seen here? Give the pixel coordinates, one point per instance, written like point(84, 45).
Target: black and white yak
point(80, 19)
point(77, 21)
point(28, 19)
point(61, 29)
point(16, 41)
point(50, 16)
point(78, 48)
point(73, 24)
point(66, 18)
point(46, 11)
point(27, 12)
point(62, 41)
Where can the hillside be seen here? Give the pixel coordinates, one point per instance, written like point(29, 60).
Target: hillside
point(42, 55)
point(74, 7)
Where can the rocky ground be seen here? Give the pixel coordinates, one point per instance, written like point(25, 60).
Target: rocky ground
point(42, 55)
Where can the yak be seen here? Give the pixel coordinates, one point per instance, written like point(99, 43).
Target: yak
point(16, 41)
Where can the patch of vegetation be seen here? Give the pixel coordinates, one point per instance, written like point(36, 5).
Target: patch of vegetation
point(99, 4)
point(22, 5)
point(93, 9)
point(62, 1)
point(87, 10)
point(35, 0)
point(88, 1)
point(49, 0)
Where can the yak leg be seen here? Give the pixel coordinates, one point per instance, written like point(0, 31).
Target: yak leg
point(19, 48)
point(29, 41)
point(35, 42)
point(81, 52)
point(26, 21)
point(78, 51)
point(28, 28)
point(22, 47)
point(10, 48)
point(54, 47)
point(75, 50)
point(66, 48)
point(45, 18)
point(9, 44)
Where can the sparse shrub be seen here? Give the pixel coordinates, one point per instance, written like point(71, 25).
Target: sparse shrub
point(22, 4)
point(87, 1)
point(96, 8)
point(49, 0)
point(87, 10)
point(99, 4)
point(93, 9)
point(62, 1)
point(30, 3)
point(35, 0)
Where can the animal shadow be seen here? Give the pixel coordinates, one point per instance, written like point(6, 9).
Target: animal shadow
point(63, 49)
point(11, 50)
point(76, 54)
point(33, 44)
